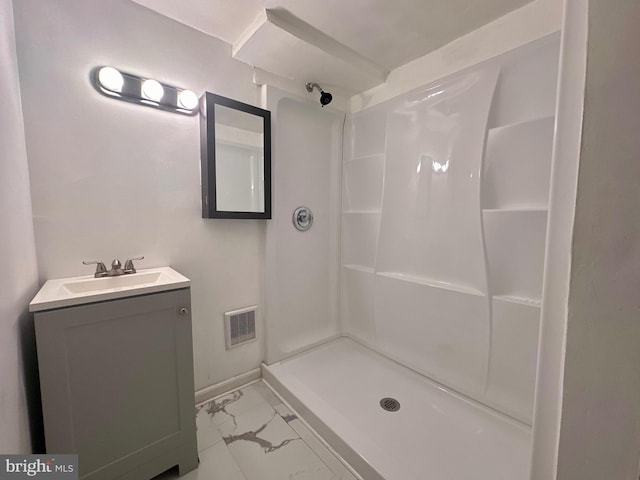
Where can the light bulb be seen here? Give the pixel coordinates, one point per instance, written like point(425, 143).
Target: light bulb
point(187, 99)
point(152, 90)
point(111, 79)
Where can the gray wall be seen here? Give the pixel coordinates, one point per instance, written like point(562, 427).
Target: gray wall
point(19, 279)
point(600, 429)
point(112, 179)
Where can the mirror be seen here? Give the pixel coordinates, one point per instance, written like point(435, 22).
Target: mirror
point(236, 159)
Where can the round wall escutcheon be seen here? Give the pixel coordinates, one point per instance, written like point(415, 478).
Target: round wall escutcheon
point(302, 218)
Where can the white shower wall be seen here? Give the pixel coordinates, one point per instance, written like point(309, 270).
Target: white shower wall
point(443, 227)
point(301, 268)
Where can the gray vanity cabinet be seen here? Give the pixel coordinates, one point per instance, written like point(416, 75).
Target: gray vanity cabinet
point(117, 385)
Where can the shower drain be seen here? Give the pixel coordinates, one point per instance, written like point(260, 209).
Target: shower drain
point(390, 404)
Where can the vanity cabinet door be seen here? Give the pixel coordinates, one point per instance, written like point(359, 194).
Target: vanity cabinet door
point(117, 385)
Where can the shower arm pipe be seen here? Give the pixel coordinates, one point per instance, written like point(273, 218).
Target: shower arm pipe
point(311, 85)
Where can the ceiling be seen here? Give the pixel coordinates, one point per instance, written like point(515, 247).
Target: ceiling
point(377, 34)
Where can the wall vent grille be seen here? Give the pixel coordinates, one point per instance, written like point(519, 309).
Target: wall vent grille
point(240, 326)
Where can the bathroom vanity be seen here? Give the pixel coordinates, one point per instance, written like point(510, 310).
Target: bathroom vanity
point(115, 358)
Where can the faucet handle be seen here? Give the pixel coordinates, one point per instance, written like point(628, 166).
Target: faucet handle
point(101, 270)
point(128, 265)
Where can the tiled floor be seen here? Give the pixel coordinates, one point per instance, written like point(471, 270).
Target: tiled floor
point(251, 435)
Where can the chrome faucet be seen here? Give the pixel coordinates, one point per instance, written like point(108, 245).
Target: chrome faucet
point(116, 267)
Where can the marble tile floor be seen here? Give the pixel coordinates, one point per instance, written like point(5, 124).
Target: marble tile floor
point(250, 434)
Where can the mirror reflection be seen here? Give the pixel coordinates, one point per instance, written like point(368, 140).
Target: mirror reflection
point(236, 159)
point(239, 161)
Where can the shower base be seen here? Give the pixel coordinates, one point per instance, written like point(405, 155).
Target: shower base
point(434, 435)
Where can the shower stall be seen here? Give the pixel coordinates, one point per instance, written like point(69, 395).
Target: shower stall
point(421, 277)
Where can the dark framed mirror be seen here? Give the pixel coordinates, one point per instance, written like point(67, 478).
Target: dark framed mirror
point(235, 144)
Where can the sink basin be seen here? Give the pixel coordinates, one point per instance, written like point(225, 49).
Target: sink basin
point(66, 292)
point(108, 283)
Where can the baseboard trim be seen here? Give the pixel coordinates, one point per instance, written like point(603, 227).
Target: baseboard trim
point(208, 393)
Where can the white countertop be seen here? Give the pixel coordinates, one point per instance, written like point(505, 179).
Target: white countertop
point(66, 292)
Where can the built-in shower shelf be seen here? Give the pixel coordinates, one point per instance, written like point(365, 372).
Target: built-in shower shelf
point(523, 123)
point(510, 210)
point(517, 164)
point(430, 282)
point(359, 268)
point(531, 302)
point(371, 157)
point(515, 241)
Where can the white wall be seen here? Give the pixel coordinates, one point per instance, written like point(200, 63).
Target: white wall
point(112, 179)
point(600, 427)
point(535, 20)
point(19, 279)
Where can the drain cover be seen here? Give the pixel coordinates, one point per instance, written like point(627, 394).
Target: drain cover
point(390, 404)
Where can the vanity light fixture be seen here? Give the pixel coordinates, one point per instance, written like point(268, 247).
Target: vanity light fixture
point(111, 79)
point(187, 99)
point(152, 90)
point(144, 91)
